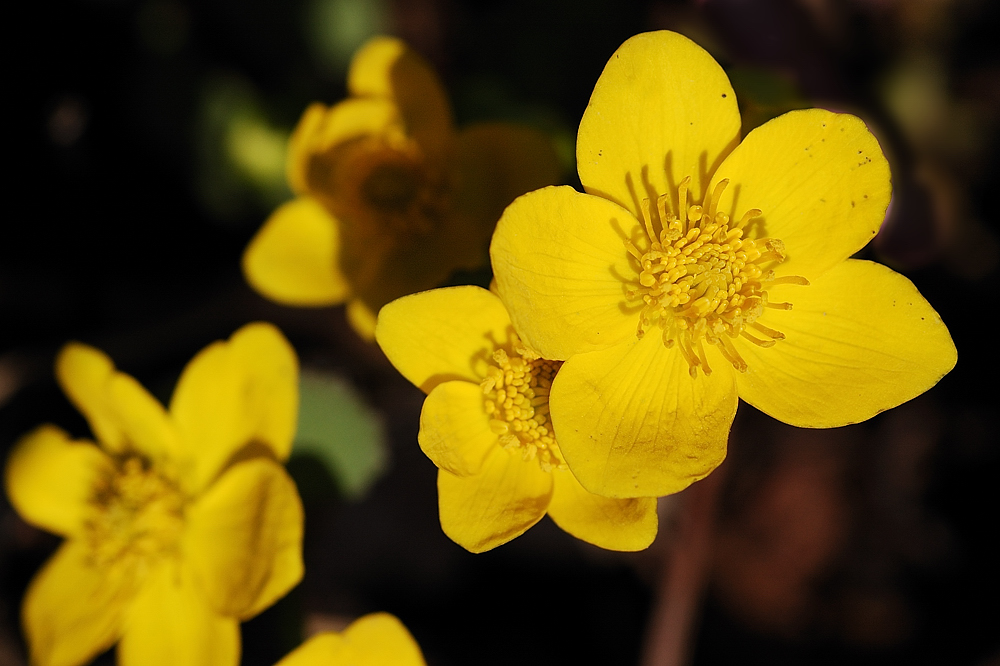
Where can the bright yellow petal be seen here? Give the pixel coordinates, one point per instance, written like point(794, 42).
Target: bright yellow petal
point(73, 611)
point(615, 524)
point(662, 110)
point(244, 538)
point(385, 67)
point(234, 393)
point(378, 639)
point(144, 421)
point(444, 334)
point(169, 623)
point(631, 422)
point(293, 258)
point(484, 511)
point(302, 145)
point(561, 268)
point(49, 479)
point(454, 429)
point(859, 340)
point(361, 319)
point(821, 182)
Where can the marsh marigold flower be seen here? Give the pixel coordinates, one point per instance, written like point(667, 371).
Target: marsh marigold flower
point(485, 425)
point(179, 523)
point(379, 639)
point(391, 198)
point(698, 269)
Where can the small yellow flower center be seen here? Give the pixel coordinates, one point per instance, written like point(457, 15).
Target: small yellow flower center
point(701, 281)
point(137, 515)
point(516, 397)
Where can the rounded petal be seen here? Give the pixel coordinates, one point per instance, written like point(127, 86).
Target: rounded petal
point(49, 479)
point(121, 413)
point(242, 391)
point(293, 258)
point(169, 623)
point(615, 524)
point(484, 511)
point(372, 640)
point(444, 334)
point(632, 422)
point(662, 110)
point(561, 268)
point(821, 182)
point(72, 610)
point(859, 340)
point(386, 67)
point(454, 429)
point(244, 538)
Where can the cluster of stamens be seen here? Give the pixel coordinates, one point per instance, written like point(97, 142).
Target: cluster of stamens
point(516, 397)
point(702, 282)
point(136, 514)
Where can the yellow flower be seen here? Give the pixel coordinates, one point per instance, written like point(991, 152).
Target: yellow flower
point(697, 269)
point(378, 639)
point(484, 425)
point(179, 524)
point(391, 199)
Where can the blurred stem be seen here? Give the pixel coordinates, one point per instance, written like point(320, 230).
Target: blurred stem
point(685, 573)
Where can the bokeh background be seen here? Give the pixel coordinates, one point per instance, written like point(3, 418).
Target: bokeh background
point(146, 146)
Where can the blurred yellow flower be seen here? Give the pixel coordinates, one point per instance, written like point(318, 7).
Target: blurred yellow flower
point(669, 287)
point(484, 424)
point(391, 199)
point(378, 639)
point(179, 523)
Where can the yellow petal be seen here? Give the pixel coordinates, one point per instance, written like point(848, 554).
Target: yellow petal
point(454, 430)
point(73, 611)
point(378, 639)
point(361, 319)
point(385, 67)
point(169, 623)
point(443, 335)
point(631, 422)
point(615, 524)
point(244, 538)
point(49, 479)
point(234, 393)
point(293, 258)
point(859, 340)
point(821, 182)
point(561, 268)
point(662, 110)
point(301, 146)
point(484, 511)
point(121, 413)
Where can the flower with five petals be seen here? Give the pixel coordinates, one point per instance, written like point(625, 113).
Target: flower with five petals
point(391, 198)
point(179, 523)
point(698, 269)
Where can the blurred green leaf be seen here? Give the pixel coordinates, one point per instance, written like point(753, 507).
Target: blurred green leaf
point(336, 28)
point(338, 429)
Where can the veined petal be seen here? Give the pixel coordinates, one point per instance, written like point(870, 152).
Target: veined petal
point(662, 110)
point(859, 340)
point(244, 538)
point(561, 268)
point(169, 623)
point(615, 524)
point(373, 640)
point(50, 478)
point(632, 422)
point(72, 610)
point(234, 393)
point(487, 510)
point(821, 182)
point(443, 334)
point(454, 429)
point(386, 67)
point(293, 258)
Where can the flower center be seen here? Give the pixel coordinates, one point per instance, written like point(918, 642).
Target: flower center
point(701, 281)
point(136, 515)
point(516, 397)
